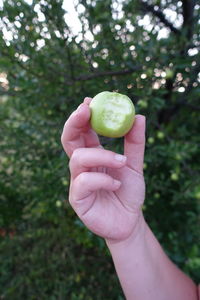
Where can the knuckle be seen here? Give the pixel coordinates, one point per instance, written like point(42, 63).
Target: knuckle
point(82, 179)
point(75, 158)
point(76, 155)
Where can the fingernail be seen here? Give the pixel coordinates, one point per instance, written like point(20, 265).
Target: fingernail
point(117, 182)
point(120, 157)
point(87, 100)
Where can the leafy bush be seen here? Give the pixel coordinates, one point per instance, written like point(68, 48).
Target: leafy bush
point(46, 70)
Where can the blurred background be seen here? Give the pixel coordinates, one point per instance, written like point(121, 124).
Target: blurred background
point(53, 53)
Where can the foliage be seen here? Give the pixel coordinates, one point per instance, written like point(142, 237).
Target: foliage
point(48, 268)
point(46, 69)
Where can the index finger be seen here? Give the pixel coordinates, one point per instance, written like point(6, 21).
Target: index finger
point(77, 132)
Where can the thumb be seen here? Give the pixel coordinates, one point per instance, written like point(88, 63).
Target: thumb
point(134, 144)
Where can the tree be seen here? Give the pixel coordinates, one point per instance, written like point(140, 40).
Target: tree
point(145, 49)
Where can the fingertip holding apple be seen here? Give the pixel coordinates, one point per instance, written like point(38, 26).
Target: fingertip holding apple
point(112, 114)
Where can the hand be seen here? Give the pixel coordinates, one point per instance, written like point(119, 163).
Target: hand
point(107, 190)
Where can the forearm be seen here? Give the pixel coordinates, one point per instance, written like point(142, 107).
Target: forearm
point(145, 272)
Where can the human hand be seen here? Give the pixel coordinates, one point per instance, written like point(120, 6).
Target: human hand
point(106, 193)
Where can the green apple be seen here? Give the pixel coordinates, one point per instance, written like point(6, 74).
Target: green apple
point(197, 195)
point(160, 135)
point(142, 103)
point(112, 114)
point(150, 140)
point(169, 74)
point(174, 176)
point(58, 203)
point(157, 195)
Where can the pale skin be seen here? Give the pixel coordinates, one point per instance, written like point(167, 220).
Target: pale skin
point(107, 192)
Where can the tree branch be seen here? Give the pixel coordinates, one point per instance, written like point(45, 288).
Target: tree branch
point(159, 14)
point(188, 16)
point(107, 73)
point(6, 93)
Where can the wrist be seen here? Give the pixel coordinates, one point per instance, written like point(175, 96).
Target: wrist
point(138, 234)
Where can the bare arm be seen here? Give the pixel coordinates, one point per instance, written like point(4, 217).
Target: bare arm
point(107, 192)
point(145, 272)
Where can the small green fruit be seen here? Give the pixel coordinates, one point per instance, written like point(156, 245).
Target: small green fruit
point(142, 103)
point(178, 156)
point(151, 140)
point(58, 203)
point(169, 74)
point(174, 176)
point(112, 114)
point(145, 166)
point(157, 195)
point(149, 72)
point(197, 195)
point(160, 135)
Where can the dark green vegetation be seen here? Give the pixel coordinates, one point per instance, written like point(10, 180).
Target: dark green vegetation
point(46, 70)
